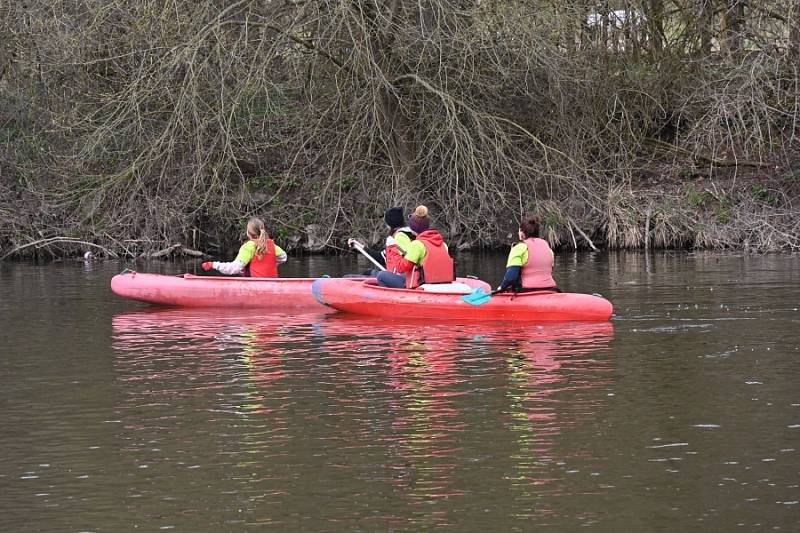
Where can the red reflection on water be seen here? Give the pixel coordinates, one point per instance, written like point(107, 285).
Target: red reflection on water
point(426, 380)
point(426, 363)
point(201, 342)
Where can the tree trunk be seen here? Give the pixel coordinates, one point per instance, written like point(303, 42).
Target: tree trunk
point(731, 30)
point(655, 25)
point(397, 134)
point(705, 26)
point(395, 129)
point(794, 36)
point(581, 35)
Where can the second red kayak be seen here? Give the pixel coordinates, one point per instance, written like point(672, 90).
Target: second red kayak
point(367, 298)
point(188, 290)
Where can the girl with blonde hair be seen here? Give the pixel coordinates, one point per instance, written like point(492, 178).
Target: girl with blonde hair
point(259, 257)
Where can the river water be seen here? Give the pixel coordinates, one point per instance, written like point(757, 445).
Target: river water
point(680, 414)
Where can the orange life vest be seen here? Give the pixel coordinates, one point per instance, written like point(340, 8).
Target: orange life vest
point(436, 267)
point(265, 266)
point(393, 254)
point(393, 257)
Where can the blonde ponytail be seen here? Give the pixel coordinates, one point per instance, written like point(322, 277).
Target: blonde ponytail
point(258, 232)
point(261, 244)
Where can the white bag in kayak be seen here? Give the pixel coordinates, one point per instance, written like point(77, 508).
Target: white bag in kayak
point(454, 287)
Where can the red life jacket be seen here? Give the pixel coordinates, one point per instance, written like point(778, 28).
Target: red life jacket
point(437, 265)
point(393, 257)
point(537, 273)
point(267, 265)
point(393, 253)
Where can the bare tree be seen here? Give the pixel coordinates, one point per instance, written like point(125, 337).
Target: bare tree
point(136, 124)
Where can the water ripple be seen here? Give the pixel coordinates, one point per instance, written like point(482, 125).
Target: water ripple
point(398, 405)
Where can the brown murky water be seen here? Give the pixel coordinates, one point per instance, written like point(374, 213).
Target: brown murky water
point(681, 414)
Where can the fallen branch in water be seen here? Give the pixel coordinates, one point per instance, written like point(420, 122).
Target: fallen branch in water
point(193, 253)
point(582, 234)
point(56, 240)
point(169, 250)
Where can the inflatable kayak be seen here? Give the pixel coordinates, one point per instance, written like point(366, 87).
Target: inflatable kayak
point(365, 297)
point(188, 290)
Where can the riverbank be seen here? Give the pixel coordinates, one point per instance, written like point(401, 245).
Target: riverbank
point(751, 210)
point(131, 131)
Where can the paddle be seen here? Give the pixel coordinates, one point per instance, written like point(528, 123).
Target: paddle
point(478, 297)
point(360, 247)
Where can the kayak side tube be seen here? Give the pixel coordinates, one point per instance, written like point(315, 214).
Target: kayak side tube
point(367, 298)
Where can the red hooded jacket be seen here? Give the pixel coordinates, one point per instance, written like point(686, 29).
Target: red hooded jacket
point(436, 265)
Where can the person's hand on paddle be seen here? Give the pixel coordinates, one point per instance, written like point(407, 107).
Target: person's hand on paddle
point(351, 242)
point(208, 265)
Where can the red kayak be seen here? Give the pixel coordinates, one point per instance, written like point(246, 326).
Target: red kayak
point(188, 290)
point(365, 297)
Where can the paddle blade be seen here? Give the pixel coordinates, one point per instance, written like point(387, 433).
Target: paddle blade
point(477, 297)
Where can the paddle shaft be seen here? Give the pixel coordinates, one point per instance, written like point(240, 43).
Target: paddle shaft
point(358, 246)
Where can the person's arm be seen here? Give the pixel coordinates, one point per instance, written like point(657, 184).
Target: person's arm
point(280, 255)
point(517, 257)
point(229, 269)
point(377, 255)
point(236, 266)
point(412, 257)
point(511, 278)
point(401, 239)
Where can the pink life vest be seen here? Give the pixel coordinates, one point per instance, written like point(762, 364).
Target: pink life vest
point(537, 273)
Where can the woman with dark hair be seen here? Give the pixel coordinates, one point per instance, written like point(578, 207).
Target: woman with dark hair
point(530, 262)
point(399, 239)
